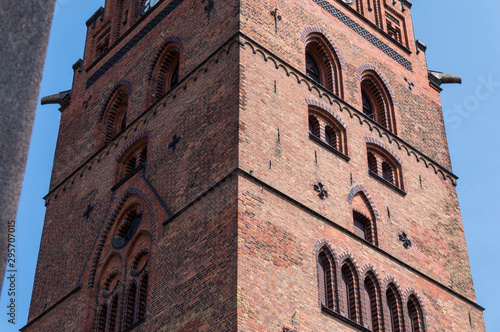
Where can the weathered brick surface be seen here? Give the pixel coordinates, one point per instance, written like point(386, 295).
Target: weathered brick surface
point(231, 221)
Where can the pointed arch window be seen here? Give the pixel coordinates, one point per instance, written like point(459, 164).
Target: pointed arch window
point(131, 297)
point(322, 63)
point(377, 103)
point(166, 73)
point(132, 160)
point(143, 293)
point(103, 315)
point(394, 309)
point(349, 286)
point(415, 314)
point(115, 114)
point(326, 279)
point(371, 291)
point(364, 220)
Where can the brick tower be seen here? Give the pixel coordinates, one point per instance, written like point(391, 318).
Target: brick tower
point(253, 166)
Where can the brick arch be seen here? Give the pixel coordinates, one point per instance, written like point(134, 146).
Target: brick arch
point(121, 83)
point(314, 103)
point(406, 296)
point(392, 286)
point(366, 68)
point(172, 40)
point(385, 147)
point(321, 49)
point(350, 304)
point(375, 294)
point(131, 142)
point(307, 31)
point(368, 204)
point(328, 296)
point(108, 225)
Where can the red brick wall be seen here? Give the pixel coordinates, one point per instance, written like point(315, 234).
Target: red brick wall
point(242, 255)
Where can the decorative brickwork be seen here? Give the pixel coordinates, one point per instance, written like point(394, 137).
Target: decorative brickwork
point(246, 187)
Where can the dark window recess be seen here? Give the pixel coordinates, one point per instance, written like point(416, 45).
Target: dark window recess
point(348, 287)
point(101, 325)
point(312, 69)
point(325, 281)
point(127, 229)
point(369, 304)
point(367, 106)
point(174, 79)
point(372, 163)
point(129, 320)
point(143, 296)
point(113, 313)
point(392, 304)
point(360, 229)
point(314, 126)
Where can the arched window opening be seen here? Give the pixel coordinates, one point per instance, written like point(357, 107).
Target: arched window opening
point(349, 288)
point(314, 126)
point(116, 114)
point(322, 63)
point(371, 297)
point(113, 314)
point(131, 297)
point(127, 227)
point(103, 314)
point(167, 72)
point(364, 219)
point(326, 128)
point(394, 309)
point(376, 101)
point(143, 296)
point(390, 170)
point(326, 281)
point(416, 315)
point(132, 160)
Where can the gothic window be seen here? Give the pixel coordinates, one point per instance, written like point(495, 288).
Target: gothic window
point(131, 299)
point(376, 101)
point(143, 292)
point(371, 291)
point(115, 114)
point(384, 166)
point(113, 314)
point(364, 219)
point(327, 129)
point(166, 74)
point(416, 315)
point(394, 309)
point(348, 284)
point(133, 159)
point(322, 63)
point(326, 279)
point(127, 227)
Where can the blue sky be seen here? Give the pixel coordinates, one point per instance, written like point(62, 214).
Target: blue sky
point(462, 39)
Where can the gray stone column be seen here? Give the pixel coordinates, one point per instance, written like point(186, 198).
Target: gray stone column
point(25, 28)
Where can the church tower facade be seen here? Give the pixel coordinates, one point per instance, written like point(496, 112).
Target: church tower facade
point(253, 166)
